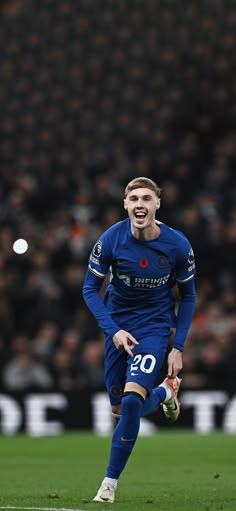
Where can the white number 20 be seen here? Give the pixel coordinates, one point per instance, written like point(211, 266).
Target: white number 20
point(146, 363)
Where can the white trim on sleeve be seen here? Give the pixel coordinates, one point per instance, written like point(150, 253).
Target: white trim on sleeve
point(97, 273)
point(185, 280)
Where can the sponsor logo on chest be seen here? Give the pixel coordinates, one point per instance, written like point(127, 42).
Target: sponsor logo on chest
point(143, 282)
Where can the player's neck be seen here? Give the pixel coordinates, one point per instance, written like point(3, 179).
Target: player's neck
point(147, 234)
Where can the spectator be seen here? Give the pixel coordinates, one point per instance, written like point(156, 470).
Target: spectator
point(92, 364)
point(23, 373)
point(165, 107)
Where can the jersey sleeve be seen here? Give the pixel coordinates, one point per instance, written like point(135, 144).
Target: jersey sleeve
point(185, 271)
point(98, 267)
point(101, 257)
point(185, 261)
point(186, 308)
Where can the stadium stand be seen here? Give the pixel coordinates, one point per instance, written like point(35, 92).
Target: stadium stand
point(91, 95)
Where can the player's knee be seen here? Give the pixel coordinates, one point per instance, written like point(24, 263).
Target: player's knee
point(116, 411)
point(132, 403)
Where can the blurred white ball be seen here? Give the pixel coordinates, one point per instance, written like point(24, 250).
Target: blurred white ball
point(20, 246)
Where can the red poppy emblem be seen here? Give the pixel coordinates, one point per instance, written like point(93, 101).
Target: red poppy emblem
point(143, 263)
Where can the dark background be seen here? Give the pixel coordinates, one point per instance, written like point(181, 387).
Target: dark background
point(93, 94)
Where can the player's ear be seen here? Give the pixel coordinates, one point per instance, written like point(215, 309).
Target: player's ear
point(158, 203)
point(125, 204)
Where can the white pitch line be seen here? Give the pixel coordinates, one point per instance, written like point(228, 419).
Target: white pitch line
point(40, 508)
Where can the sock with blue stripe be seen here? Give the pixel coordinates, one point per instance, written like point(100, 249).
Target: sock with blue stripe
point(125, 434)
point(157, 396)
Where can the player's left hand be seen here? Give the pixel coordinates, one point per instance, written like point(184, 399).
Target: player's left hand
point(175, 363)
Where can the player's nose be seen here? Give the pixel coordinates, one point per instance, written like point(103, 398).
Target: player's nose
point(140, 203)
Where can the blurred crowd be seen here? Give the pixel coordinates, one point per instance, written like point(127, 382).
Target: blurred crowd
point(91, 96)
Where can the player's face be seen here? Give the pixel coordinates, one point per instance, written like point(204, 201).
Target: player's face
point(141, 205)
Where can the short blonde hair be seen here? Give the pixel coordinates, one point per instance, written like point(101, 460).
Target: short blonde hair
point(143, 182)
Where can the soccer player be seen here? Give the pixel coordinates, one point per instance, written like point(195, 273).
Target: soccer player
point(145, 259)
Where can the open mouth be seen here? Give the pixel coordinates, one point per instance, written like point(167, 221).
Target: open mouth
point(140, 215)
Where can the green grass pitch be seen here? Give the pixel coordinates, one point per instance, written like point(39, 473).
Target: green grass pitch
point(171, 471)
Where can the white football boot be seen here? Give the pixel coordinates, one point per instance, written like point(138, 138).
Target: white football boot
point(106, 493)
point(171, 407)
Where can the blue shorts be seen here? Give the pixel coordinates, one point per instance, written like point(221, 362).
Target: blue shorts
point(143, 368)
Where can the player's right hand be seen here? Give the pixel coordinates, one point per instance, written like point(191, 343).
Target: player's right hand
point(124, 340)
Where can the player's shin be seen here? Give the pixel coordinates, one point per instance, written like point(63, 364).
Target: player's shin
point(125, 434)
point(157, 396)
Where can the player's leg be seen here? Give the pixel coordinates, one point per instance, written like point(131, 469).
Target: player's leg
point(145, 368)
point(127, 428)
point(166, 393)
point(115, 375)
point(155, 398)
point(142, 371)
point(170, 403)
point(123, 440)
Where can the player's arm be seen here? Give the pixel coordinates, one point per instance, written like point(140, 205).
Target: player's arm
point(185, 277)
point(187, 300)
point(92, 298)
point(100, 261)
point(91, 294)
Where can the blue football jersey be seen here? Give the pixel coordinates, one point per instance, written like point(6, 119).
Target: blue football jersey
point(142, 275)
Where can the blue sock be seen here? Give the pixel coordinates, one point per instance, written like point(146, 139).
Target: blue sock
point(151, 402)
point(125, 434)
